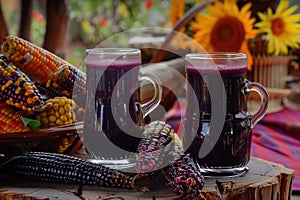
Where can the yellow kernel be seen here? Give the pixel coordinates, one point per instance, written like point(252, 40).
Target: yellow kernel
point(17, 105)
point(52, 118)
point(61, 110)
point(18, 90)
point(61, 102)
point(29, 87)
point(67, 107)
point(51, 124)
point(68, 115)
point(35, 98)
point(64, 118)
point(45, 120)
point(55, 85)
point(43, 114)
point(8, 83)
point(26, 84)
point(48, 83)
point(3, 87)
point(55, 106)
point(69, 101)
point(55, 100)
point(29, 100)
point(49, 104)
point(20, 79)
point(69, 121)
point(28, 92)
point(57, 114)
point(59, 122)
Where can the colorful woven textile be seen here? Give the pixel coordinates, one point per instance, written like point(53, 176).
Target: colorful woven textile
point(276, 137)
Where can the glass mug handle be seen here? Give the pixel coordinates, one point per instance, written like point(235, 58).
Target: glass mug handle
point(264, 96)
point(149, 106)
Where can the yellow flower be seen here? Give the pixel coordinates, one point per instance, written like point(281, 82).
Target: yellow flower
point(177, 11)
point(225, 28)
point(282, 28)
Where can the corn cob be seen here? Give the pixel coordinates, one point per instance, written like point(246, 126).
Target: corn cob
point(161, 144)
point(31, 59)
point(17, 89)
point(153, 148)
point(185, 177)
point(10, 120)
point(60, 168)
point(68, 77)
point(58, 111)
point(56, 75)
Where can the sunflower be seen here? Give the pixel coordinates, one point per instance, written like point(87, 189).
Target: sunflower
point(177, 11)
point(183, 39)
point(225, 28)
point(281, 29)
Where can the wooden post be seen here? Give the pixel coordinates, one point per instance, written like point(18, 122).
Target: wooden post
point(25, 19)
point(3, 27)
point(57, 12)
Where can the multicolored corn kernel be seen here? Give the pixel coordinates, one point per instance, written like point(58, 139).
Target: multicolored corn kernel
point(156, 146)
point(49, 92)
point(59, 168)
point(67, 77)
point(58, 111)
point(10, 120)
point(185, 177)
point(33, 60)
point(17, 89)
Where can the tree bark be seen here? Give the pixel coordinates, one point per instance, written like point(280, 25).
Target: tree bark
point(25, 19)
point(57, 12)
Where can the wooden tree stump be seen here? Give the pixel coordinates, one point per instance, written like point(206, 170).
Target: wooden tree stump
point(264, 180)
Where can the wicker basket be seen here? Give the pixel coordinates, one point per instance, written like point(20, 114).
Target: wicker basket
point(62, 139)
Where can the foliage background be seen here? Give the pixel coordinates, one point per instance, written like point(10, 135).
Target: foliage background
point(91, 21)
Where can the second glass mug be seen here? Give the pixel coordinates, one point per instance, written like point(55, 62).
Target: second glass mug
point(114, 116)
point(228, 152)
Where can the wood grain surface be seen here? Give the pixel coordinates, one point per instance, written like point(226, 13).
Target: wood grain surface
point(264, 180)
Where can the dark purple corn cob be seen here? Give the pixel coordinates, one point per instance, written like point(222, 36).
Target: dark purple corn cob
point(59, 168)
point(153, 148)
point(66, 79)
point(184, 177)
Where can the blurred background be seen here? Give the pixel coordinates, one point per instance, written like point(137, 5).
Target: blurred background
point(75, 25)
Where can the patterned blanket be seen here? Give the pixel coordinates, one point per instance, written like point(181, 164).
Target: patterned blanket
point(276, 137)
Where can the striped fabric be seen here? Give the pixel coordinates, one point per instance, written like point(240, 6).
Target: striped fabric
point(276, 137)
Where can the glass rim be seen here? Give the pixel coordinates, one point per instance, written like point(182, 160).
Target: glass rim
point(113, 51)
point(216, 56)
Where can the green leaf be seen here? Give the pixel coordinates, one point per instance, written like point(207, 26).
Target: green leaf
point(34, 124)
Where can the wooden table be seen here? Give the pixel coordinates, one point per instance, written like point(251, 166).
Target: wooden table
point(264, 180)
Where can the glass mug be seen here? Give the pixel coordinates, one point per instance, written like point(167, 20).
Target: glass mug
point(114, 116)
point(220, 76)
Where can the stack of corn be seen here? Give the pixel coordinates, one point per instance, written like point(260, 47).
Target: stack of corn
point(37, 83)
point(44, 67)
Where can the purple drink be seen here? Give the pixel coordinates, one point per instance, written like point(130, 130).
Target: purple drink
point(112, 123)
point(230, 152)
